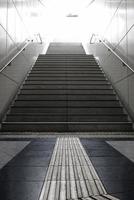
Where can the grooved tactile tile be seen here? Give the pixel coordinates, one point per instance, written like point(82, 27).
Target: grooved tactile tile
point(71, 175)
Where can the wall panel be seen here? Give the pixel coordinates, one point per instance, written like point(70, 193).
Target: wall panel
point(14, 18)
point(120, 35)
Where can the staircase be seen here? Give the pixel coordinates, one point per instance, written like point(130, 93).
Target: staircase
point(66, 93)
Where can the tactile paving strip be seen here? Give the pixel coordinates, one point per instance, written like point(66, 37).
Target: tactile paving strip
point(71, 175)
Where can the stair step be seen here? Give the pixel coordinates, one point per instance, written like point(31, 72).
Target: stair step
point(67, 60)
point(66, 65)
point(72, 110)
point(67, 127)
point(66, 57)
point(44, 82)
point(67, 54)
point(66, 97)
point(65, 75)
point(41, 78)
point(66, 87)
point(68, 91)
point(68, 72)
point(64, 118)
point(55, 103)
point(66, 68)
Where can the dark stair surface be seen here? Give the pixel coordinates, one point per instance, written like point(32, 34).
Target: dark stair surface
point(66, 92)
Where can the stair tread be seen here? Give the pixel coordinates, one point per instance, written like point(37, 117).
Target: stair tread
point(46, 114)
point(86, 122)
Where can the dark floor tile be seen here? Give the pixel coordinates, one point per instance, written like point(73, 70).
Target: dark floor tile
point(30, 161)
point(46, 140)
point(115, 170)
point(20, 190)
point(100, 147)
point(14, 173)
point(124, 196)
point(116, 173)
point(15, 139)
point(92, 143)
point(102, 153)
point(118, 186)
point(46, 154)
point(110, 161)
point(40, 147)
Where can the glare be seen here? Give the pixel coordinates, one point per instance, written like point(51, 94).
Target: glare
point(53, 23)
point(60, 27)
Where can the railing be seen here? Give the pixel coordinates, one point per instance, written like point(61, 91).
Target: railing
point(109, 48)
point(38, 38)
point(27, 43)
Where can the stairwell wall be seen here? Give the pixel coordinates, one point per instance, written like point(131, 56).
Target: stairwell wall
point(120, 76)
point(118, 33)
point(16, 21)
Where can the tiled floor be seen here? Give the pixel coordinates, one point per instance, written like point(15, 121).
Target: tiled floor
point(71, 174)
point(124, 147)
point(23, 177)
point(9, 149)
point(115, 170)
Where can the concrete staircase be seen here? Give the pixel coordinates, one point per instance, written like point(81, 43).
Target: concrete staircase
point(66, 92)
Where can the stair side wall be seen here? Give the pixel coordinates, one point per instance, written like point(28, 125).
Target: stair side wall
point(116, 73)
point(13, 75)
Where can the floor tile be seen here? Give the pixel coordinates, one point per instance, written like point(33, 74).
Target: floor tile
point(102, 153)
point(37, 153)
point(118, 186)
point(124, 147)
point(12, 147)
point(108, 161)
point(124, 196)
point(9, 149)
point(13, 173)
point(116, 173)
point(40, 147)
point(20, 190)
point(30, 161)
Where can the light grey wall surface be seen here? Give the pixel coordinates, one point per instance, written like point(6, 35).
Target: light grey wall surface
point(14, 26)
point(120, 29)
point(118, 33)
point(120, 76)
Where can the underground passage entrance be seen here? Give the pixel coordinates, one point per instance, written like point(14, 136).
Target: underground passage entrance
point(66, 91)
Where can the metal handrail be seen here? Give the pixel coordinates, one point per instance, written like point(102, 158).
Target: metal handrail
point(106, 45)
point(14, 56)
